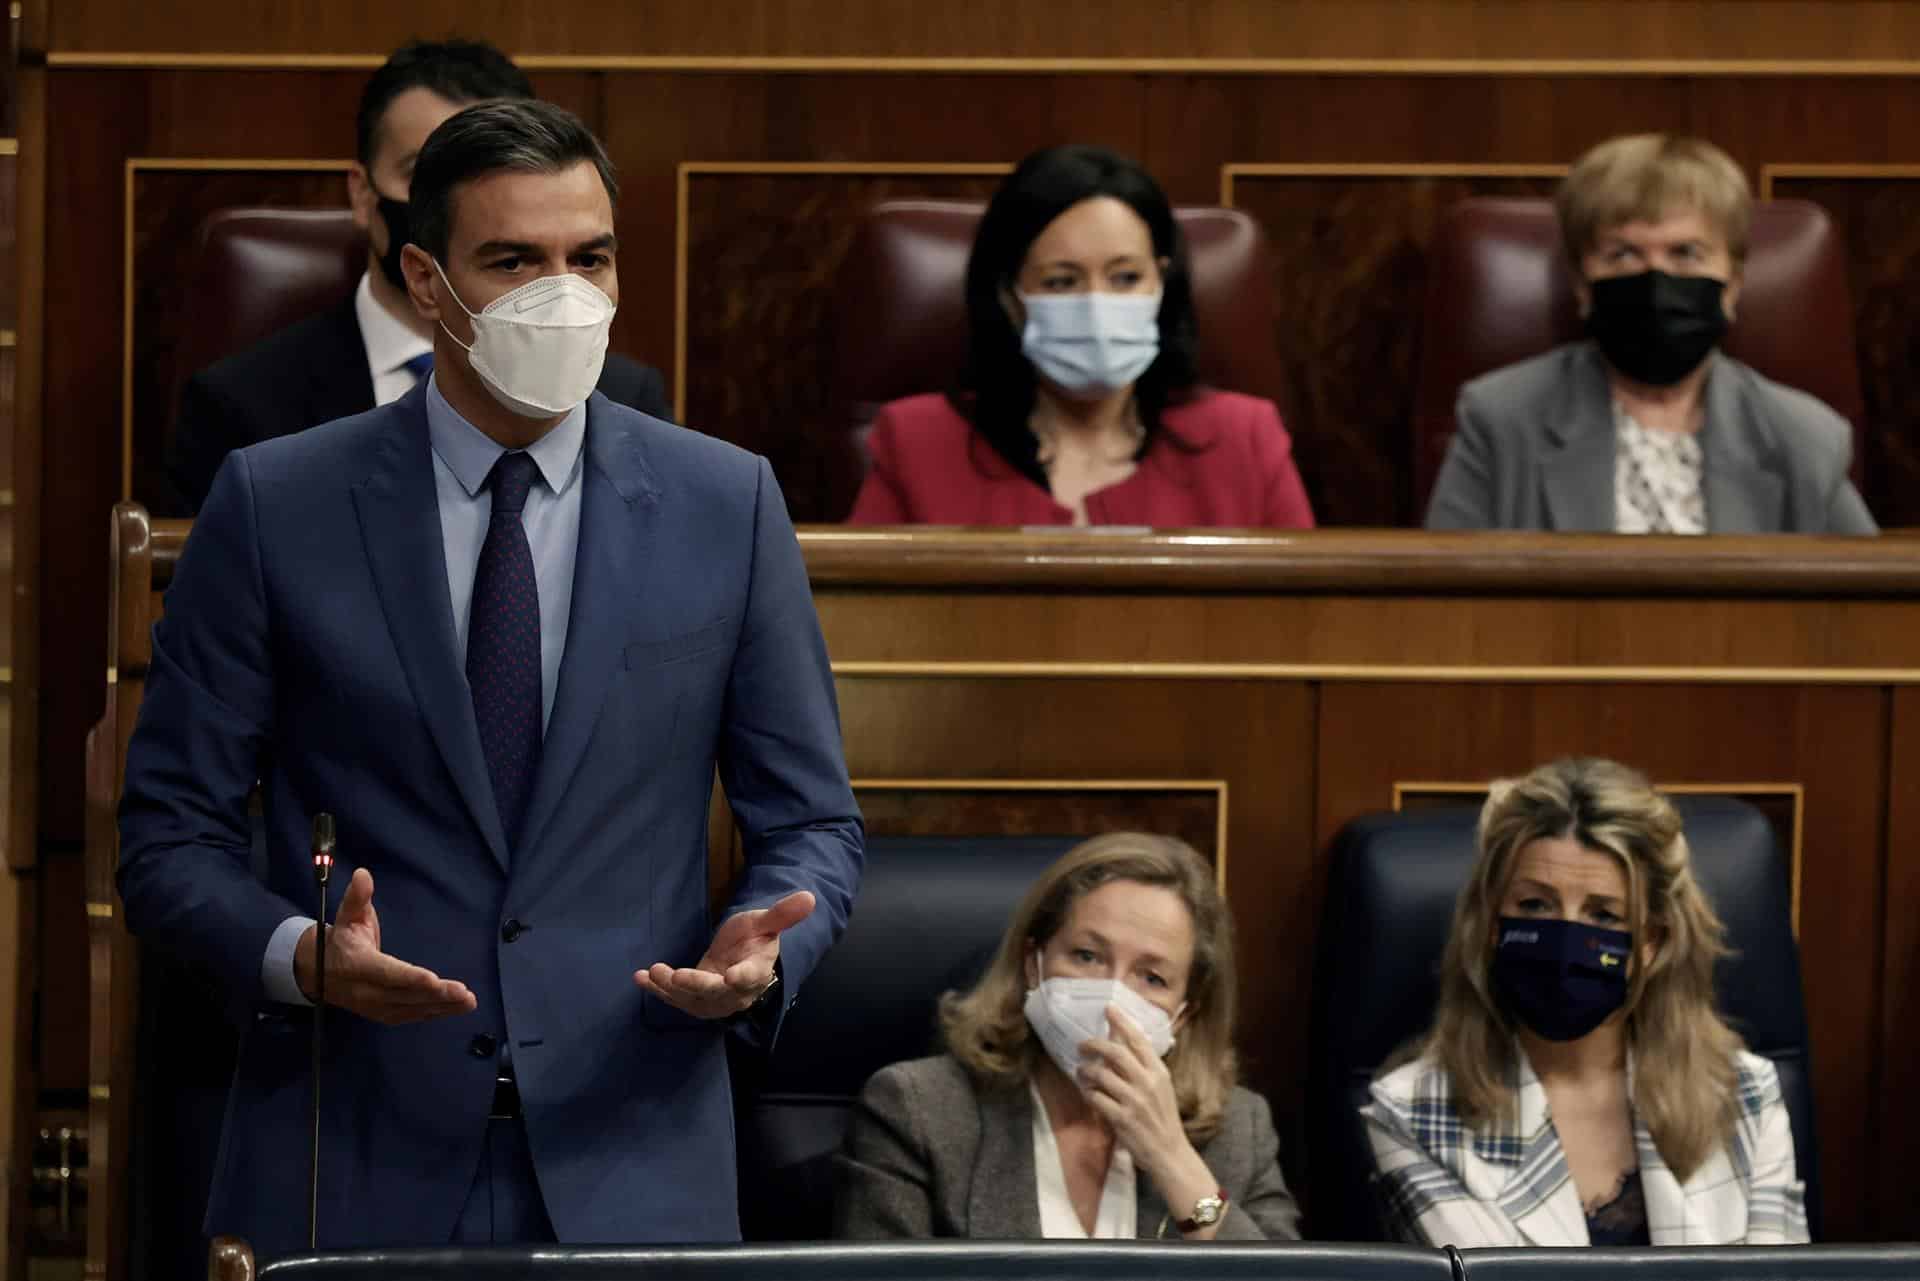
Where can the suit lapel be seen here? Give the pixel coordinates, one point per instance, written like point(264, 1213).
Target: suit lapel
point(1539, 1198)
point(399, 514)
point(339, 382)
point(1708, 1209)
point(1003, 1201)
point(611, 566)
point(1743, 495)
point(1576, 471)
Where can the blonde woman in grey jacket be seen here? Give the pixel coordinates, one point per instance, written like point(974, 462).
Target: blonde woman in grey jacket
point(1088, 1085)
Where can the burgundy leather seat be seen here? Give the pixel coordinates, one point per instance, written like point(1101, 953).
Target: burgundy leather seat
point(901, 322)
point(256, 271)
point(1499, 291)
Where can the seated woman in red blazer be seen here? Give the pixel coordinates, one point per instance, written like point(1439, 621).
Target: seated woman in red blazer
point(1079, 404)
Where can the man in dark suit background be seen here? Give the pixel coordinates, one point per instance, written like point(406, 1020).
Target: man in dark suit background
point(373, 348)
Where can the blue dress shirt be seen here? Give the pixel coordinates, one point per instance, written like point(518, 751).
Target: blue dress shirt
point(462, 457)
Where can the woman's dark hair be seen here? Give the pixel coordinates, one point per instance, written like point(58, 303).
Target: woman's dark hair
point(524, 135)
point(997, 388)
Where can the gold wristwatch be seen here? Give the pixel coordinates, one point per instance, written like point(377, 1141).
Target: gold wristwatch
point(1206, 1212)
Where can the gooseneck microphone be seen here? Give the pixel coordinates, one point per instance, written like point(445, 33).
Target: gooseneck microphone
point(322, 872)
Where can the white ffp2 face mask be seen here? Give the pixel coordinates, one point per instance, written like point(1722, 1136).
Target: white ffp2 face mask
point(539, 349)
point(1066, 1012)
point(1093, 344)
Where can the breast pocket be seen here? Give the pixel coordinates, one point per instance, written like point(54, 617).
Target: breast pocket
point(677, 649)
point(674, 689)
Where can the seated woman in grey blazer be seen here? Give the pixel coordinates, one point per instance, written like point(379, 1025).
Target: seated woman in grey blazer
point(1646, 427)
point(1088, 1085)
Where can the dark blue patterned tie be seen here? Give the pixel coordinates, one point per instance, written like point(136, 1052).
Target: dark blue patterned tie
point(419, 366)
point(503, 645)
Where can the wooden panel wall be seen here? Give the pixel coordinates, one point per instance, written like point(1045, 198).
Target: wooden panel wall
point(1666, 31)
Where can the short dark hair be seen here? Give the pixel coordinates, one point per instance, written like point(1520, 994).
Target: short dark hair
point(997, 389)
point(460, 71)
point(518, 135)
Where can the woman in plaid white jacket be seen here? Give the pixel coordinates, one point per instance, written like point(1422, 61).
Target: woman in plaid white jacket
point(1578, 1086)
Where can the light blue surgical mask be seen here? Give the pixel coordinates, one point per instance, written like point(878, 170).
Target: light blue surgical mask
point(1092, 344)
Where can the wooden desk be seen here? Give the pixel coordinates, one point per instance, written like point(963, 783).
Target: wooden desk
point(1255, 692)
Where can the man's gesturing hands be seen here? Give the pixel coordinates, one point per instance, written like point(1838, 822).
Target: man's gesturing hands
point(363, 979)
point(738, 965)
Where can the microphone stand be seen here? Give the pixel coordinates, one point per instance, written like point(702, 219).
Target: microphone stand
point(322, 872)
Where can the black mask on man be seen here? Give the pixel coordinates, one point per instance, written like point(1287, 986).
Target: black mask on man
point(1656, 328)
point(399, 232)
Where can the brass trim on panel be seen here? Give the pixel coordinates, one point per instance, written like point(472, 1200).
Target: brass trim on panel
point(9, 146)
point(100, 911)
point(1795, 790)
point(841, 65)
point(1475, 675)
point(8, 338)
point(99, 1093)
point(162, 164)
point(1218, 786)
point(1770, 173)
point(682, 233)
point(1230, 172)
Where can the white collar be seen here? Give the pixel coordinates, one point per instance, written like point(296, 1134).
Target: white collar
point(389, 343)
point(1117, 1219)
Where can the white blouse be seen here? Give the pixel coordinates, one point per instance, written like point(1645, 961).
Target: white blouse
point(1116, 1218)
point(1657, 487)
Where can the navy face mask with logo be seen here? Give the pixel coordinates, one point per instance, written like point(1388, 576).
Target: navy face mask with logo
point(1562, 979)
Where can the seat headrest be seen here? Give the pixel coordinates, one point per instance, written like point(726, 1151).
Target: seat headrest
point(930, 914)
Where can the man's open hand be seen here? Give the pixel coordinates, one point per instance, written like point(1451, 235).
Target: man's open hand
point(365, 980)
point(738, 965)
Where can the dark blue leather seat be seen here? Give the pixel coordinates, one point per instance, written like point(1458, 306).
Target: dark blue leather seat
point(1390, 896)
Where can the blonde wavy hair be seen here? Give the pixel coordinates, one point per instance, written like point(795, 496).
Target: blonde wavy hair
point(1644, 177)
point(986, 1028)
point(1686, 1082)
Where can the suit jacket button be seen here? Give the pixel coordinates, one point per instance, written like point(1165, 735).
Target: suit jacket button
point(511, 930)
point(482, 1046)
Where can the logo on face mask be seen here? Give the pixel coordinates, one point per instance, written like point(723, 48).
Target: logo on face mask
point(1093, 344)
point(1561, 979)
point(540, 348)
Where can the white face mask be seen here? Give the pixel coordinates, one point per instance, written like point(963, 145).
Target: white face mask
point(1093, 344)
point(1066, 1012)
point(539, 349)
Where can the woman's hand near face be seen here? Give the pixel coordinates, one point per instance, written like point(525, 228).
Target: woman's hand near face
point(1132, 1091)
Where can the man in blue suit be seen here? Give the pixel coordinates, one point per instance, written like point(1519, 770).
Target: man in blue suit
point(503, 630)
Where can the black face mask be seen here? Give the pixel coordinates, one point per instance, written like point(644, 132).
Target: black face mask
point(399, 233)
point(1656, 328)
point(1560, 978)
